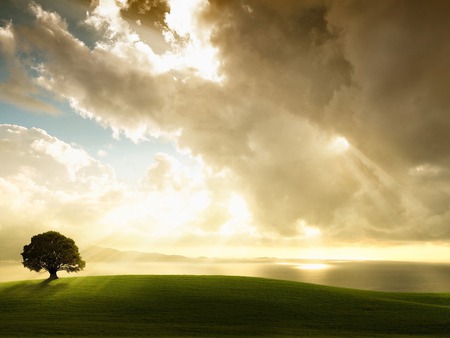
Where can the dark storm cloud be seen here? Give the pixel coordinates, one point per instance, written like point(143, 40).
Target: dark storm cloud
point(399, 51)
point(149, 12)
point(376, 73)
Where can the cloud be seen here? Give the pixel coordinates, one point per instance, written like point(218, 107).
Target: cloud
point(99, 66)
point(48, 184)
point(150, 13)
point(18, 88)
point(399, 65)
point(294, 77)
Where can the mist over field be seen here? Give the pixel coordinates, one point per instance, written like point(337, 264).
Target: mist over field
point(368, 275)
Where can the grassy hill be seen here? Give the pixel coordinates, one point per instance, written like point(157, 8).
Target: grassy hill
point(213, 306)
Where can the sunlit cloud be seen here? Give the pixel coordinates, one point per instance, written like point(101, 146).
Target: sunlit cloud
point(191, 50)
point(339, 145)
point(308, 231)
point(194, 51)
point(306, 124)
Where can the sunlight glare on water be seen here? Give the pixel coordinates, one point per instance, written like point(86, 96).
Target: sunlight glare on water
point(313, 266)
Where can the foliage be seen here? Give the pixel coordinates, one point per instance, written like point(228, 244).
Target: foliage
point(52, 252)
point(213, 306)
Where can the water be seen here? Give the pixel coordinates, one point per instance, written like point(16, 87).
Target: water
point(367, 275)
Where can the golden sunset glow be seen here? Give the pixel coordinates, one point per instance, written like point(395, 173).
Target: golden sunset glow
point(294, 129)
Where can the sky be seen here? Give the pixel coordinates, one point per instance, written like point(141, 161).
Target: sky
point(307, 129)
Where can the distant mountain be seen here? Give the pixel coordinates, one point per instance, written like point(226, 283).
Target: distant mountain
point(101, 254)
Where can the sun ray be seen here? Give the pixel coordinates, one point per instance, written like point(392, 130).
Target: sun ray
point(386, 195)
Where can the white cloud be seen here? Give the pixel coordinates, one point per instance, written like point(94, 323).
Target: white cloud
point(44, 187)
point(49, 184)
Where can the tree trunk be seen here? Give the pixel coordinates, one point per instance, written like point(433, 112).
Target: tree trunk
point(53, 274)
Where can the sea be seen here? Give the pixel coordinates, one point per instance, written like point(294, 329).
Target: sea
point(365, 275)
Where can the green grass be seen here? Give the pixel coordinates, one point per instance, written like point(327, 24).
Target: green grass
point(213, 306)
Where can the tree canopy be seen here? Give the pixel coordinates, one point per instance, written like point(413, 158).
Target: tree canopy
point(52, 252)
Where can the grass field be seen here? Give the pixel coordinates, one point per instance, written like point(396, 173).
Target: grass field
point(213, 306)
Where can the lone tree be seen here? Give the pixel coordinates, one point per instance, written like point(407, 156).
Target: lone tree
point(52, 252)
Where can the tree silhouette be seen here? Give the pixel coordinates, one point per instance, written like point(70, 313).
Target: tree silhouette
point(52, 252)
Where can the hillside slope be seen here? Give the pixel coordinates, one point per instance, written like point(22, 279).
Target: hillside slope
point(212, 306)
